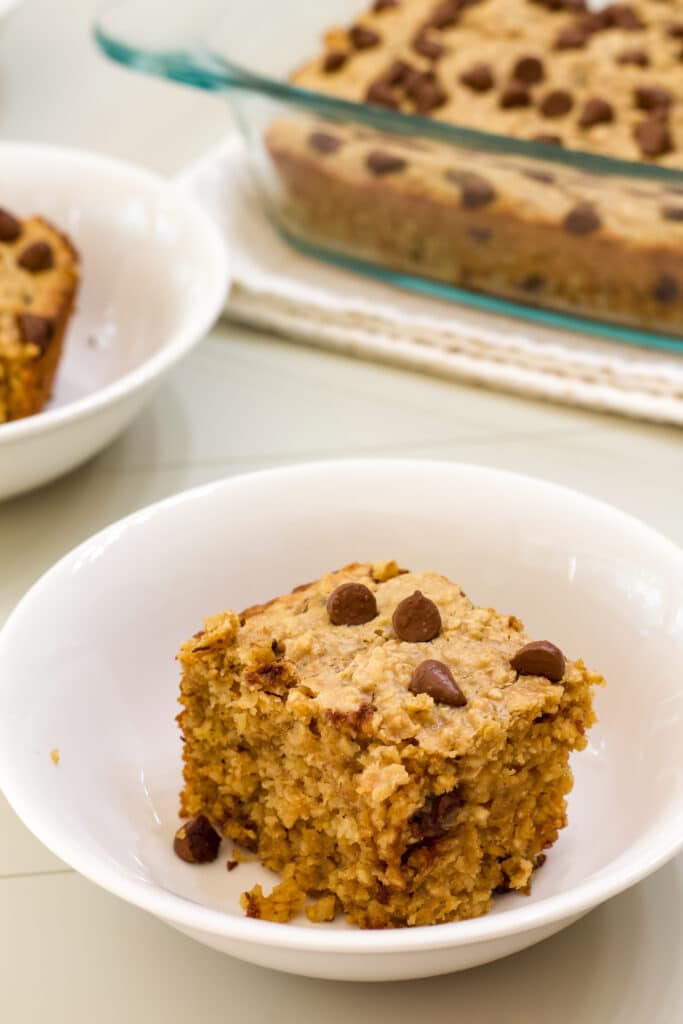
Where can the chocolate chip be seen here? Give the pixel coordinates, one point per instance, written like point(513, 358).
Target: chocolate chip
point(540, 658)
point(398, 72)
point(573, 37)
point(35, 330)
point(479, 78)
point(476, 191)
point(334, 60)
point(444, 15)
point(416, 619)
point(651, 97)
point(432, 49)
point(380, 162)
point(379, 92)
point(323, 142)
point(666, 288)
point(596, 111)
point(196, 841)
point(532, 283)
point(582, 220)
point(435, 679)
point(528, 70)
point(435, 817)
point(672, 212)
point(351, 604)
point(653, 136)
point(543, 176)
point(10, 227)
point(481, 235)
point(515, 95)
point(623, 16)
point(557, 103)
point(384, 5)
point(638, 57)
point(37, 257)
point(676, 30)
point(548, 140)
point(425, 91)
point(363, 38)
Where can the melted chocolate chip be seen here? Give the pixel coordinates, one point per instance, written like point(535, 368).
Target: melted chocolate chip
point(351, 604)
point(548, 140)
point(197, 842)
point(436, 815)
point(543, 176)
point(582, 220)
point(651, 97)
point(638, 57)
point(481, 235)
point(384, 5)
point(672, 212)
point(479, 78)
point(528, 70)
point(623, 16)
point(398, 73)
point(380, 162)
point(444, 15)
point(363, 38)
point(596, 111)
point(10, 227)
point(666, 288)
point(416, 619)
point(35, 330)
point(540, 658)
point(515, 95)
point(432, 49)
point(653, 136)
point(37, 257)
point(334, 60)
point(557, 103)
point(573, 37)
point(425, 91)
point(380, 93)
point(476, 191)
point(435, 679)
point(533, 283)
point(323, 142)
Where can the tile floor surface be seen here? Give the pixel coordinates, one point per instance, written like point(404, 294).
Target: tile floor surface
point(70, 952)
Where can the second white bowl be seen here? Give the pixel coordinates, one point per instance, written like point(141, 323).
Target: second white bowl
point(154, 280)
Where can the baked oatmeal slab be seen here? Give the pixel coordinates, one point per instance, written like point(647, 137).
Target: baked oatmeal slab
point(39, 279)
point(388, 747)
point(577, 236)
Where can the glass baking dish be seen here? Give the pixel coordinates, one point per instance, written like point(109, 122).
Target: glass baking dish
point(438, 231)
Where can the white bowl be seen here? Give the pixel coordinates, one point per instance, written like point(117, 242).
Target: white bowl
point(86, 666)
point(154, 280)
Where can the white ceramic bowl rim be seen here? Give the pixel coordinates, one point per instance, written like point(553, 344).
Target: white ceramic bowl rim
point(181, 341)
point(659, 845)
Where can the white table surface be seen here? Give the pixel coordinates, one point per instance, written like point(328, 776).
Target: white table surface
point(68, 951)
